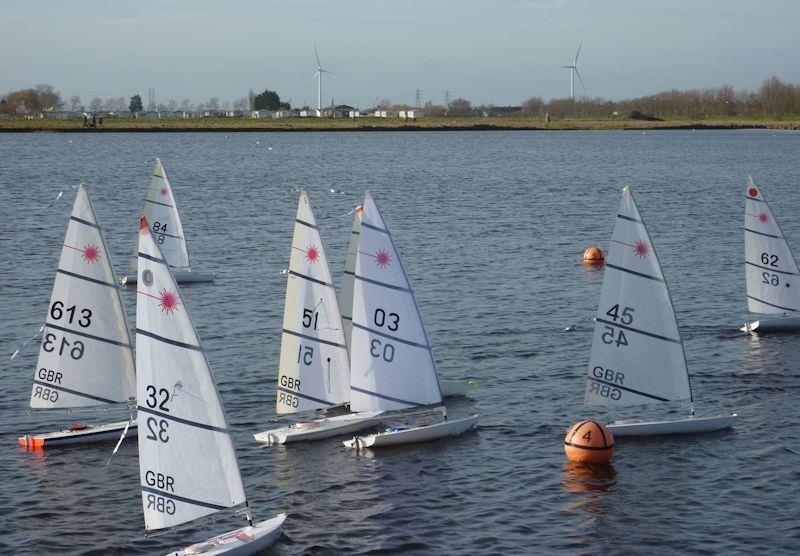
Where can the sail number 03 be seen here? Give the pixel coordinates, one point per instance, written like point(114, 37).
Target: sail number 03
point(612, 335)
point(391, 321)
point(157, 398)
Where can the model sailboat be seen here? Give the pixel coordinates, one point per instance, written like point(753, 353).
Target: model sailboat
point(187, 461)
point(637, 352)
point(314, 372)
point(392, 365)
point(772, 274)
point(85, 359)
point(161, 211)
point(449, 387)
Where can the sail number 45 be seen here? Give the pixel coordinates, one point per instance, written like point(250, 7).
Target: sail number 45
point(612, 335)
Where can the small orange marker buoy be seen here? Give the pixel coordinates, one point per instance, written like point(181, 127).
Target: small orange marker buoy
point(593, 257)
point(589, 442)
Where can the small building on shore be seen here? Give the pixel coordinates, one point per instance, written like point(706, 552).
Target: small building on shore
point(337, 111)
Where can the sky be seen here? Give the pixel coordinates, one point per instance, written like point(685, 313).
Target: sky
point(499, 52)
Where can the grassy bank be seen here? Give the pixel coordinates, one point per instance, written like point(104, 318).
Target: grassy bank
point(381, 124)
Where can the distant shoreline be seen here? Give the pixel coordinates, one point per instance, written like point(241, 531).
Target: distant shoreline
point(225, 125)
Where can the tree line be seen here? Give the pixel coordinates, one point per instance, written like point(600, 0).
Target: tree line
point(774, 99)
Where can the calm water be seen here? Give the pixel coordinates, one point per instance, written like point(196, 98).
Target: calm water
point(491, 227)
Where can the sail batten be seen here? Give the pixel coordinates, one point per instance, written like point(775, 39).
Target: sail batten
point(392, 364)
point(314, 369)
point(85, 358)
point(637, 353)
point(770, 266)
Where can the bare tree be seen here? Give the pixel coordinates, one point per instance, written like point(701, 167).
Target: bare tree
point(533, 107)
point(459, 107)
point(213, 103)
point(186, 104)
point(384, 103)
point(241, 104)
point(172, 105)
point(50, 98)
point(75, 103)
point(96, 105)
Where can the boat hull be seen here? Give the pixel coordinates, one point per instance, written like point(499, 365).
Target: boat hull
point(451, 427)
point(320, 429)
point(451, 388)
point(180, 277)
point(89, 434)
point(691, 425)
point(779, 324)
point(247, 540)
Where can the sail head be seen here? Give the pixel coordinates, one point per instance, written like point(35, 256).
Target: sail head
point(187, 461)
point(85, 358)
point(637, 354)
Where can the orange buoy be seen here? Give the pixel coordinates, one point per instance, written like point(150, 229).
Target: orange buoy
point(589, 442)
point(593, 257)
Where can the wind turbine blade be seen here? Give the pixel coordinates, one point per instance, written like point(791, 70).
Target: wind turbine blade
point(567, 67)
point(317, 55)
point(577, 53)
point(579, 78)
point(329, 72)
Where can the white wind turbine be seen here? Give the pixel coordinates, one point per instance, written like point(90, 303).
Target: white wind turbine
point(318, 77)
point(573, 71)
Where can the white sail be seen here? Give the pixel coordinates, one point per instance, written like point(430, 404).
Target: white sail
point(392, 366)
point(637, 353)
point(770, 267)
point(86, 357)
point(314, 369)
point(162, 214)
point(187, 461)
point(346, 296)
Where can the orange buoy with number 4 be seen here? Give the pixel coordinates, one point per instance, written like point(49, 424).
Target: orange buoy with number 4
point(589, 442)
point(593, 257)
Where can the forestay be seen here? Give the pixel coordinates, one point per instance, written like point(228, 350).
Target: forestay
point(314, 368)
point(770, 267)
point(346, 297)
point(86, 357)
point(391, 361)
point(187, 462)
point(637, 354)
point(162, 214)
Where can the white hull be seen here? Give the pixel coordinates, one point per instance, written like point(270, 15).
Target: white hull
point(180, 277)
point(455, 387)
point(777, 324)
point(453, 427)
point(691, 425)
point(91, 433)
point(247, 540)
point(319, 429)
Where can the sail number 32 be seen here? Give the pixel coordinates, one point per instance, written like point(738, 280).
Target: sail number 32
point(157, 398)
